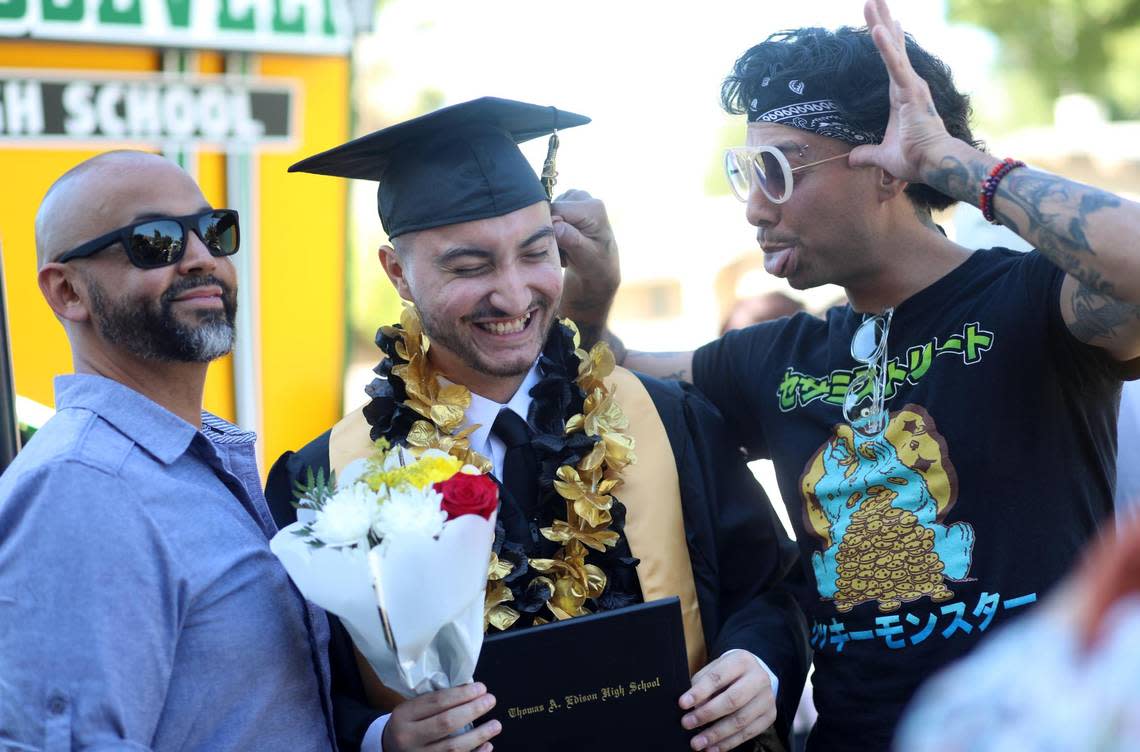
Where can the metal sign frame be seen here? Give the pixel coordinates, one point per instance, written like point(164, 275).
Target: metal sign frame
point(29, 109)
point(9, 431)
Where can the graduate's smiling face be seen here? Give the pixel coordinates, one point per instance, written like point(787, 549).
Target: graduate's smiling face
point(487, 292)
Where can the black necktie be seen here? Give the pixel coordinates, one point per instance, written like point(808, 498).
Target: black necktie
point(520, 468)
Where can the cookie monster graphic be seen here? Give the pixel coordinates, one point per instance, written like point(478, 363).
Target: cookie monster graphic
point(877, 503)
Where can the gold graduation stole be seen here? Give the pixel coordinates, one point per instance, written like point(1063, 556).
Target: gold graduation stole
point(650, 491)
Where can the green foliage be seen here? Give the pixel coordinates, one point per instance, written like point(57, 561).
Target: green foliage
point(730, 134)
point(373, 302)
point(315, 490)
point(1124, 51)
point(312, 494)
point(1064, 46)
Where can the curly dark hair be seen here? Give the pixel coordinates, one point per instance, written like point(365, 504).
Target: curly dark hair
point(846, 66)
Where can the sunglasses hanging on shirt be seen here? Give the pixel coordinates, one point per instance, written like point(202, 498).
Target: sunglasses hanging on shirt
point(863, 405)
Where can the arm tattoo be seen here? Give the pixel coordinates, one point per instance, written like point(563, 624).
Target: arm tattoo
point(1053, 224)
point(1057, 214)
point(1097, 316)
point(957, 179)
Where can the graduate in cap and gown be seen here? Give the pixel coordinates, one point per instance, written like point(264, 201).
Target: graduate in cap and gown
point(627, 483)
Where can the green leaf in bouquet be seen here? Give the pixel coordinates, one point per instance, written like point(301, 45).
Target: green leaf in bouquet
point(315, 490)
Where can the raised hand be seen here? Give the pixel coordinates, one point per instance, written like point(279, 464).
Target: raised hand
point(915, 138)
point(593, 274)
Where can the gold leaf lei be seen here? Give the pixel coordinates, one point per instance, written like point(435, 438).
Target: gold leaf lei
point(586, 488)
point(442, 407)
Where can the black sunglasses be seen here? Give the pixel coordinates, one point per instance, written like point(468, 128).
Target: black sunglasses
point(153, 243)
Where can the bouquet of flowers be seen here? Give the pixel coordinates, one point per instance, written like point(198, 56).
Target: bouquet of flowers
point(398, 546)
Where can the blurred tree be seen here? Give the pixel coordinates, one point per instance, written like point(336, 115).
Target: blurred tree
point(1057, 47)
point(731, 133)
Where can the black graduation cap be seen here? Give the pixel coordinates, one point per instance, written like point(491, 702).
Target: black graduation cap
point(456, 164)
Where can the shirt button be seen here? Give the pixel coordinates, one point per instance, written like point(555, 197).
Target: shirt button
point(57, 705)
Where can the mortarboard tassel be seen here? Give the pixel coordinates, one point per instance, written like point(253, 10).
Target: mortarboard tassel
point(549, 172)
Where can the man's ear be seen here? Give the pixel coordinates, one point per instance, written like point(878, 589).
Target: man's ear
point(394, 268)
point(59, 286)
point(889, 186)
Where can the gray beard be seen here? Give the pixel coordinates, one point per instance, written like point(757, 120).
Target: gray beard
point(152, 332)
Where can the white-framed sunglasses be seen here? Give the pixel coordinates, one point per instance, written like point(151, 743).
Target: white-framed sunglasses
point(867, 413)
point(767, 168)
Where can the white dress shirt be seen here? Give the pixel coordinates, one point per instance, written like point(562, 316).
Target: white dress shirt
point(483, 412)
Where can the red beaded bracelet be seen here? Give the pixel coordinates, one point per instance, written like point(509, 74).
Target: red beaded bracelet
point(990, 184)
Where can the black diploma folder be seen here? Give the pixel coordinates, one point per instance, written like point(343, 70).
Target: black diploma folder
point(607, 681)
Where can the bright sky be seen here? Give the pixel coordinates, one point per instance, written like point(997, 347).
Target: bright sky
point(648, 74)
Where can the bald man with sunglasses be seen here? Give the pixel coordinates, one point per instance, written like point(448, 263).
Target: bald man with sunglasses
point(140, 605)
point(945, 444)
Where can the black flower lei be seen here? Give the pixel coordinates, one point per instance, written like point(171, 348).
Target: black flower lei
point(556, 397)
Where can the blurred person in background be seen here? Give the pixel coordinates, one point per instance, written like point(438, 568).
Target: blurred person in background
point(138, 594)
point(1128, 454)
point(759, 308)
point(946, 442)
point(1065, 677)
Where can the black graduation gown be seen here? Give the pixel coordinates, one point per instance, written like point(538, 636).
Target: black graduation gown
point(741, 556)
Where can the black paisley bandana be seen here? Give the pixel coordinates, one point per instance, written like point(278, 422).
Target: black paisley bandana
point(803, 105)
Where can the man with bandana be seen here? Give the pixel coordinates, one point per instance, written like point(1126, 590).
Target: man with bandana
point(501, 383)
point(945, 442)
point(138, 594)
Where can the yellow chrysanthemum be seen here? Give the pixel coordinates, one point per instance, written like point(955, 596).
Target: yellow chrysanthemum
point(420, 474)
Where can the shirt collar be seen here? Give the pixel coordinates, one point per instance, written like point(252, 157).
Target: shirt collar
point(484, 411)
point(145, 422)
point(221, 431)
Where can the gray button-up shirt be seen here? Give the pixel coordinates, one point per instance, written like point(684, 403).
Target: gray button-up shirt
point(140, 605)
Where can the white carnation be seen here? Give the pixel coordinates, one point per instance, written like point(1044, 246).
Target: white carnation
point(346, 516)
point(410, 511)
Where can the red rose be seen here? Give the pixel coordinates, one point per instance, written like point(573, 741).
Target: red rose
point(468, 494)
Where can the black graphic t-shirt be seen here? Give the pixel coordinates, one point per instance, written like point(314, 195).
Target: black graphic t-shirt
point(993, 471)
